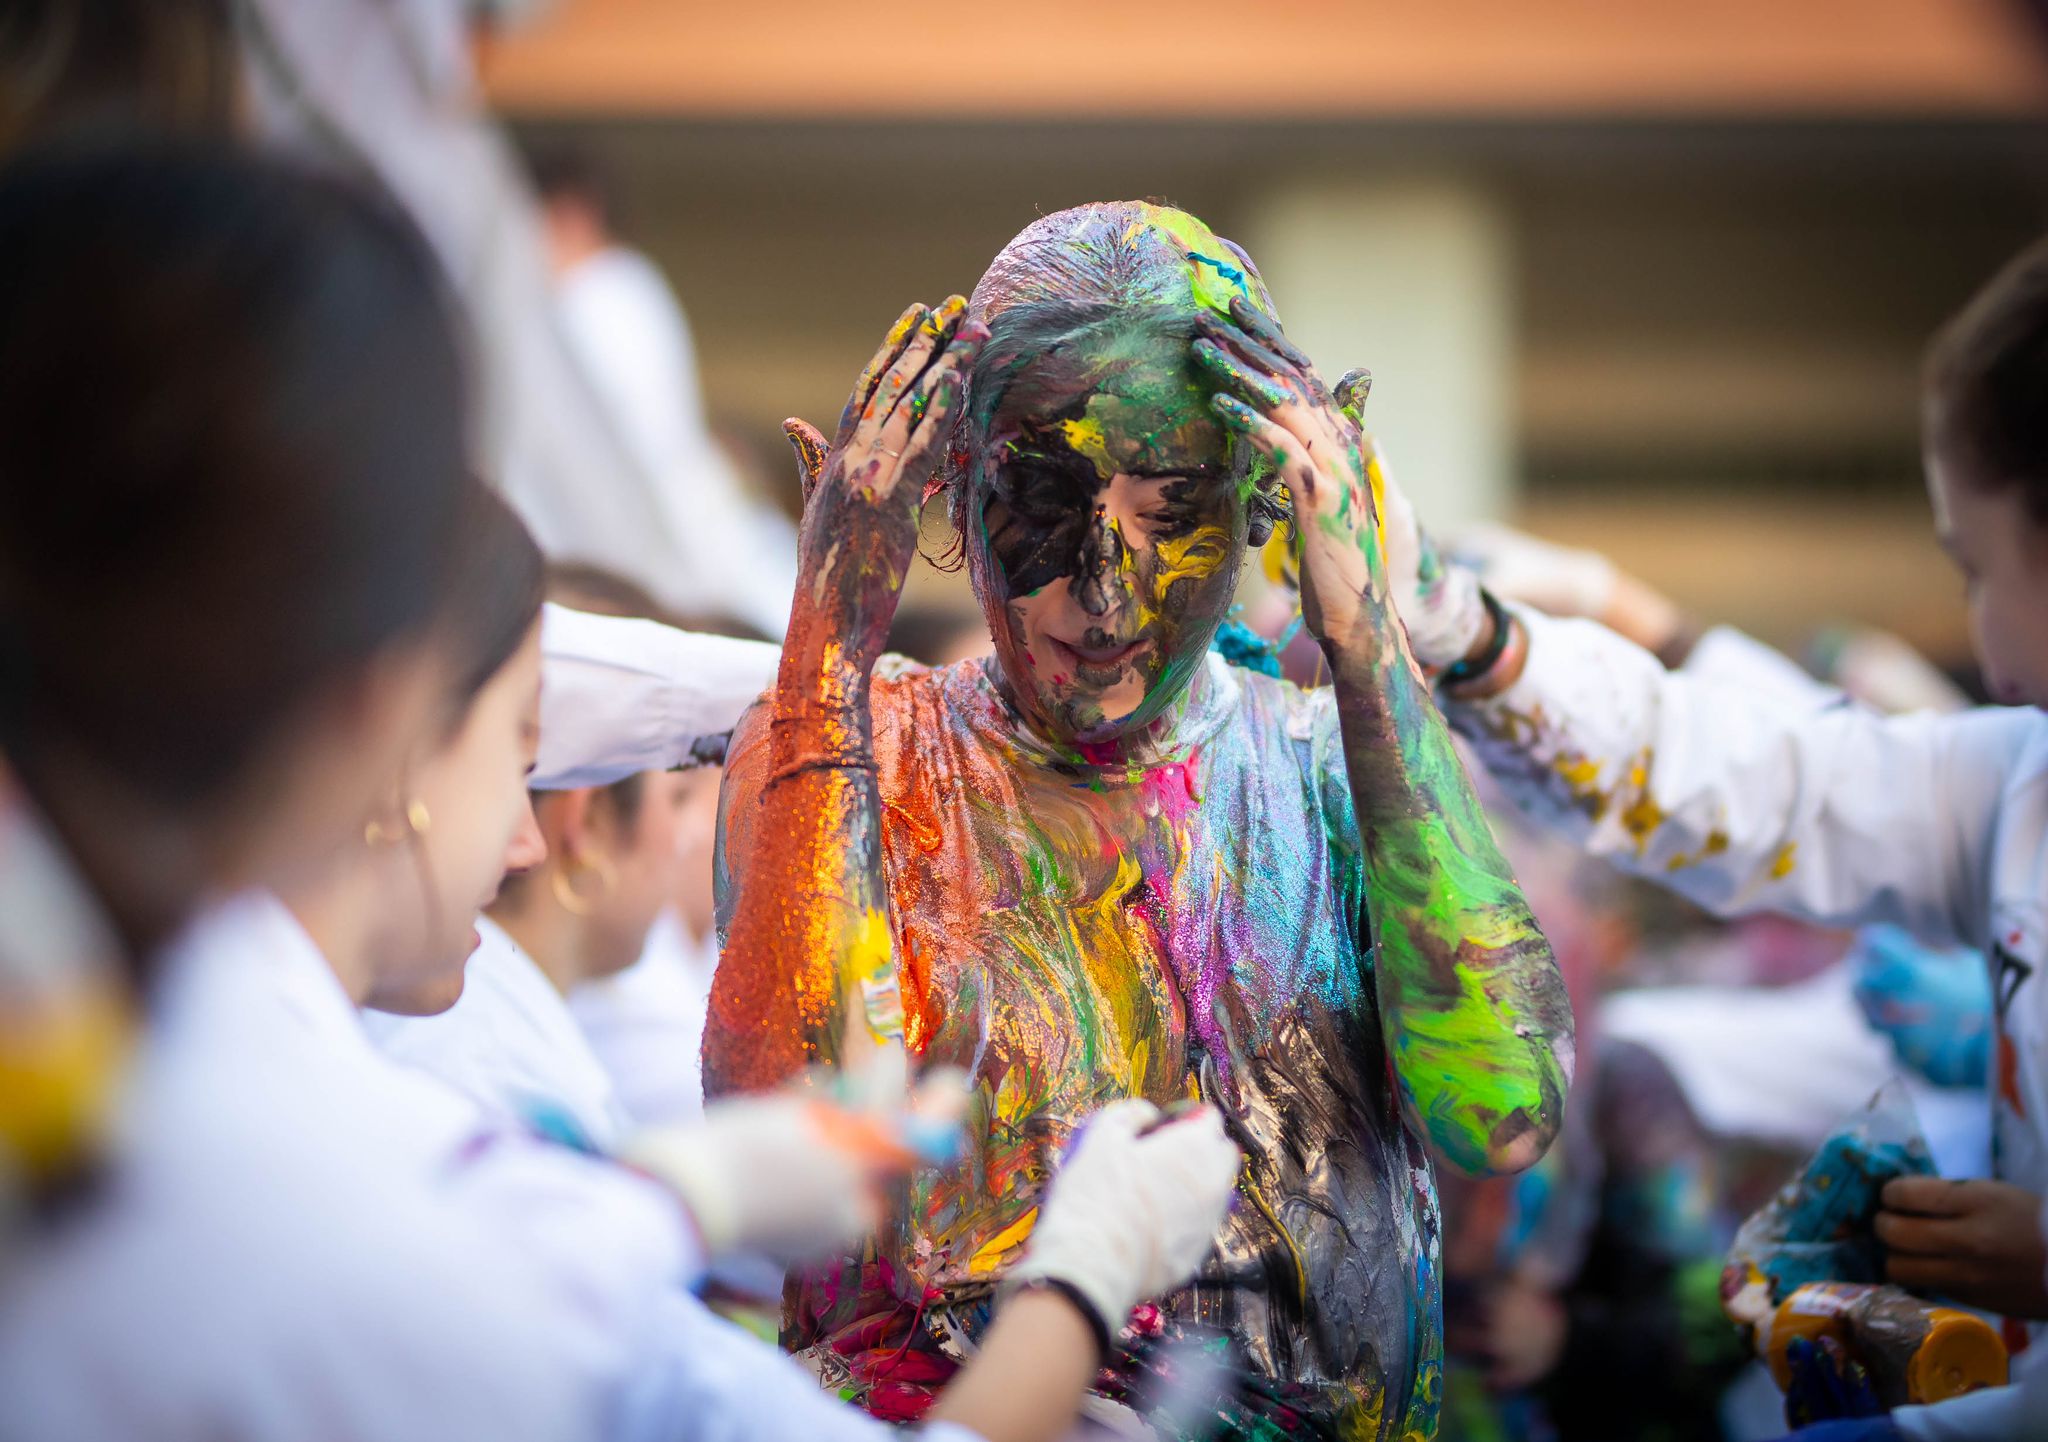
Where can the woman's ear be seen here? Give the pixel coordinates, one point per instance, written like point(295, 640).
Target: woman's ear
point(565, 822)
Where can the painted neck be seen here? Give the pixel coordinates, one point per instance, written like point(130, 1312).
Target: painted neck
point(1151, 743)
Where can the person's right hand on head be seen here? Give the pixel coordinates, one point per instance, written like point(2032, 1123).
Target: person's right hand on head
point(1133, 1209)
point(863, 490)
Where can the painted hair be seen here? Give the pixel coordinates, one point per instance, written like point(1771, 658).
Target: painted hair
point(1086, 295)
point(1986, 378)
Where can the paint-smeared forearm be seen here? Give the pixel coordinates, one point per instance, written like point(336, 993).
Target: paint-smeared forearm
point(1476, 1015)
point(1745, 802)
point(807, 947)
point(808, 969)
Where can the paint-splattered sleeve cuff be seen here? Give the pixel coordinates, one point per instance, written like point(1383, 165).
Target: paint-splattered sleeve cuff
point(1744, 801)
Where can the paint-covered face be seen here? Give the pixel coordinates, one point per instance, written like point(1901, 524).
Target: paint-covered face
point(1105, 509)
point(1109, 537)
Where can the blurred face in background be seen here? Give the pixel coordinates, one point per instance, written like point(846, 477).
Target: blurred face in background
point(2002, 552)
point(477, 825)
point(696, 838)
point(631, 846)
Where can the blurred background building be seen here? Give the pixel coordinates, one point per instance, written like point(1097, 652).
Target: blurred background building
point(1649, 276)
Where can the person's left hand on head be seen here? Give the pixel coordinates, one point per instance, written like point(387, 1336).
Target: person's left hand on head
point(1976, 1242)
point(1364, 556)
point(1275, 399)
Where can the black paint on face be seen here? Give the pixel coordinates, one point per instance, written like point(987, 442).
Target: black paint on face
point(1046, 520)
point(1042, 516)
point(1103, 592)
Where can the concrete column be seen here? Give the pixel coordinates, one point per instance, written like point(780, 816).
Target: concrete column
point(1412, 279)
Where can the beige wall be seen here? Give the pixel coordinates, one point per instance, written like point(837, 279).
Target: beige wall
point(1713, 329)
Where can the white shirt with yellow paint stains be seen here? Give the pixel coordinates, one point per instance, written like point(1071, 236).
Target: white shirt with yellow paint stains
point(1747, 800)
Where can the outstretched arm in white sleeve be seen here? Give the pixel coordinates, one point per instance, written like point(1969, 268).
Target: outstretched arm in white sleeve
point(1743, 802)
point(620, 696)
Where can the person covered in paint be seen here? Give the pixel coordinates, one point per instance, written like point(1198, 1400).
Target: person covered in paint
point(1936, 823)
point(1103, 863)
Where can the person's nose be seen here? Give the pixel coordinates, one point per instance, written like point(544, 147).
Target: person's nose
point(1104, 558)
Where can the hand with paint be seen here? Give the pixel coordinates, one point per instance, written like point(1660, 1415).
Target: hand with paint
point(862, 492)
point(1133, 1209)
point(796, 1174)
point(1275, 399)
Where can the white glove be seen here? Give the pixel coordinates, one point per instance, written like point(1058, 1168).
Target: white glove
point(1437, 600)
point(793, 1176)
point(1132, 1211)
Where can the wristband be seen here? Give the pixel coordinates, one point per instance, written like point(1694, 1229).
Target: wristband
point(1104, 1346)
point(1471, 668)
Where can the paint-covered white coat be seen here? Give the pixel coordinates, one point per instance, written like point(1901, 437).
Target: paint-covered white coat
point(1747, 802)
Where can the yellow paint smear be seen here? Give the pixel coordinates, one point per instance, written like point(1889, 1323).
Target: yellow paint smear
point(1714, 845)
point(871, 962)
point(1378, 482)
point(1581, 776)
point(1192, 556)
point(991, 1252)
point(1086, 438)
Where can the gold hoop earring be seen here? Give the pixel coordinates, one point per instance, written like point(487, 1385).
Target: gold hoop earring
point(417, 820)
point(563, 884)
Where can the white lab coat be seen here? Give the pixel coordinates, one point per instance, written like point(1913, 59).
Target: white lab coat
point(300, 1238)
point(646, 1024)
point(620, 696)
point(295, 1243)
point(1745, 803)
point(625, 328)
point(510, 1045)
point(304, 1239)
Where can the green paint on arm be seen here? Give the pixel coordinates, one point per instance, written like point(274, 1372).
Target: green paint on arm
point(1475, 1013)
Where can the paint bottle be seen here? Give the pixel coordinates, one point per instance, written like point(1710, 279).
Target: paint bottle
point(1914, 1351)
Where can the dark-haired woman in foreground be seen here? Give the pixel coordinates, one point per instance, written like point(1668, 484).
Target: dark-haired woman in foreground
point(232, 479)
point(246, 640)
